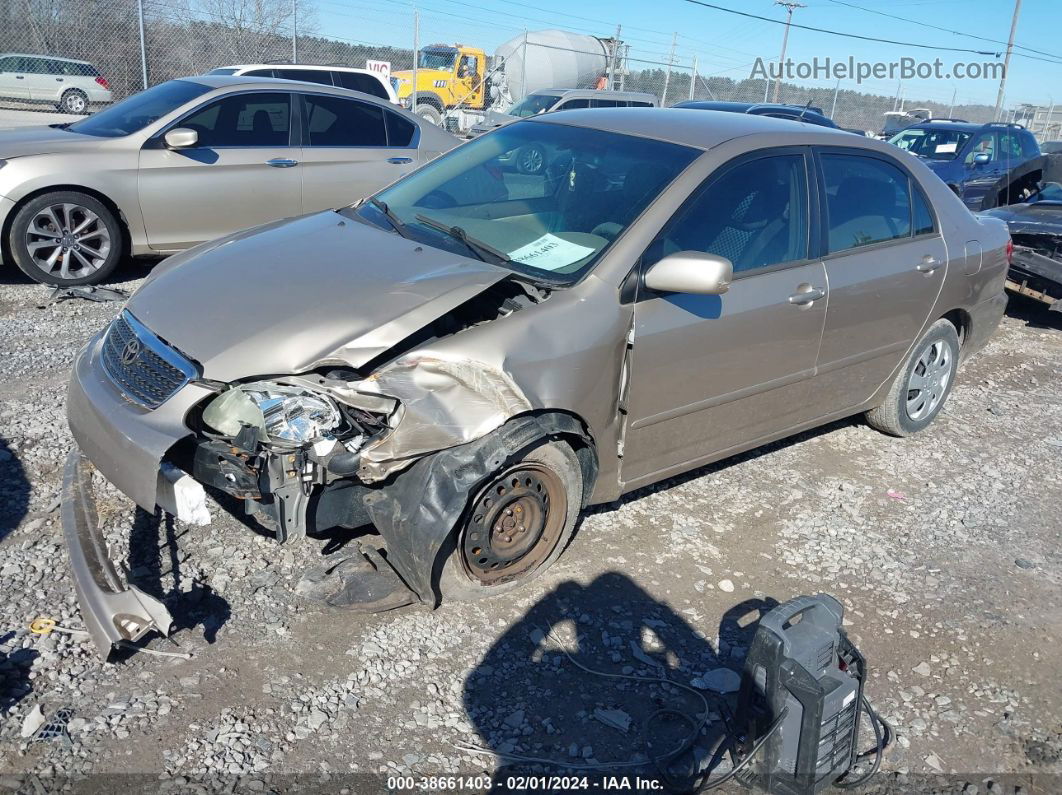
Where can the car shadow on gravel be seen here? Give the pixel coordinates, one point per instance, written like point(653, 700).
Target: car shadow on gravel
point(604, 707)
point(14, 490)
point(155, 566)
point(15, 664)
point(1034, 314)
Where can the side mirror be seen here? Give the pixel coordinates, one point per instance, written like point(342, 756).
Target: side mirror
point(981, 158)
point(181, 138)
point(690, 272)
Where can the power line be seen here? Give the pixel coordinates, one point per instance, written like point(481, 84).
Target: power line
point(945, 30)
point(842, 34)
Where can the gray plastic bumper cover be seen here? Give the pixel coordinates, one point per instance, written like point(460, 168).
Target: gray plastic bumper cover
point(113, 611)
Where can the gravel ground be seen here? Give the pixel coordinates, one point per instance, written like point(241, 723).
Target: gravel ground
point(944, 549)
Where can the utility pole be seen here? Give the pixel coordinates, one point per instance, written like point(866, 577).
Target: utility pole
point(143, 43)
point(416, 58)
point(693, 77)
point(836, 89)
point(667, 75)
point(1006, 60)
point(951, 110)
point(294, 31)
point(789, 7)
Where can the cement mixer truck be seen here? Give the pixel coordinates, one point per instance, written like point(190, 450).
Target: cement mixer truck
point(455, 85)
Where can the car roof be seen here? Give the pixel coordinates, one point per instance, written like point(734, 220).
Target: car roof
point(689, 126)
point(319, 67)
point(593, 92)
point(713, 104)
point(234, 81)
point(38, 55)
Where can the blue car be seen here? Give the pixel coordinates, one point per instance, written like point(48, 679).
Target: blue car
point(987, 165)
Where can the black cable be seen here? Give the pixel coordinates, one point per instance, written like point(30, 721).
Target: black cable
point(882, 737)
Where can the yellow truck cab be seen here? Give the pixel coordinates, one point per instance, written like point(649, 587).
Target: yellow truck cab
point(447, 77)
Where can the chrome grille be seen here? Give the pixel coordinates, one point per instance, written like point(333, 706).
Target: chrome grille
point(143, 367)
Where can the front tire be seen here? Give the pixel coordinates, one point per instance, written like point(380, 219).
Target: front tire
point(922, 385)
point(75, 101)
point(65, 238)
point(516, 525)
point(430, 113)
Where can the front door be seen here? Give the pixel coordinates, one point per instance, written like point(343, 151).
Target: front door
point(980, 178)
point(351, 149)
point(13, 77)
point(711, 374)
point(243, 172)
point(886, 263)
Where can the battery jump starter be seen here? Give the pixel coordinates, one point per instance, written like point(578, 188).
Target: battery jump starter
point(799, 707)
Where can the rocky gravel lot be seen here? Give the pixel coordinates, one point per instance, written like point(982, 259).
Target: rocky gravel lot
point(944, 549)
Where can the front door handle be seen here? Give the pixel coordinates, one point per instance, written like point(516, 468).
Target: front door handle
point(58, 80)
point(929, 264)
point(806, 294)
point(400, 161)
point(281, 162)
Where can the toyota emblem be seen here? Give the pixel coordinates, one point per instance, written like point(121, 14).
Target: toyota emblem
point(130, 352)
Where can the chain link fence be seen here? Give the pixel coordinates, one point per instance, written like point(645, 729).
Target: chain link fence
point(138, 43)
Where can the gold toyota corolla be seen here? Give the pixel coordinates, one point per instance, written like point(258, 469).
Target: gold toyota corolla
point(469, 357)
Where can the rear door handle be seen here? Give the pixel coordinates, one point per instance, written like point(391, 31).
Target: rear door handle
point(281, 162)
point(929, 264)
point(806, 296)
point(400, 161)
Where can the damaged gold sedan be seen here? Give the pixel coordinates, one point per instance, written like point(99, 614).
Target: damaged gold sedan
point(472, 355)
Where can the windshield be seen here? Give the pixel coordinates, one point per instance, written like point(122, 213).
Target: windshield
point(437, 59)
point(223, 71)
point(139, 110)
point(544, 199)
point(932, 144)
point(533, 105)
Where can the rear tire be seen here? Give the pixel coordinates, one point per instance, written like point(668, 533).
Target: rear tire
point(492, 554)
point(922, 384)
point(430, 113)
point(66, 238)
point(75, 101)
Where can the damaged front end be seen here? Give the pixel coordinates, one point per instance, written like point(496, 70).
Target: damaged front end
point(1036, 268)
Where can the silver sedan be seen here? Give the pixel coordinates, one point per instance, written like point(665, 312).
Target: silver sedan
point(191, 160)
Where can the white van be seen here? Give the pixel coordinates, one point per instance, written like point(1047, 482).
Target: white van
point(68, 84)
point(340, 76)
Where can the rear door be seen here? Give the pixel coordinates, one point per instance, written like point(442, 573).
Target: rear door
point(350, 149)
point(244, 171)
point(712, 373)
point(885, 263)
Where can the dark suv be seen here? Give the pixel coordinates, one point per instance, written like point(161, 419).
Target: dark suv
point(987, 165)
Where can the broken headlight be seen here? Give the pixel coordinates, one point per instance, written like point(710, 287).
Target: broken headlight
point(282, 413)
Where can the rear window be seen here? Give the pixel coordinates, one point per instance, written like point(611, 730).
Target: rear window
point(356, 81)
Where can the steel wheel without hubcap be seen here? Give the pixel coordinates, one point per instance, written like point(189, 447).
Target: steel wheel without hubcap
point(515, 523)
point(929, 380)
point(68, 240)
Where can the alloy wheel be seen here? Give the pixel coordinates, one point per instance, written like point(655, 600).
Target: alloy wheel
point(68, 240)
point(929, 379)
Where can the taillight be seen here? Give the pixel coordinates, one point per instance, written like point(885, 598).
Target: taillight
point(103, 82)
point(1010, 251)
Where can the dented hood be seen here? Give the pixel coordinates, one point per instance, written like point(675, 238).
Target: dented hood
point(288, 296)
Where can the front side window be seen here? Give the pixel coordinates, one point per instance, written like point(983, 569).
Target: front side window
point(533, 105)
point(985, 143)
point(138, 111)
point(867, 201)
point(243, 120)
point(334, 121)
point(553, 224)
point(754, 214)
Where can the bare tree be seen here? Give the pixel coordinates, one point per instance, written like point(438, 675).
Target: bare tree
point(254, 30)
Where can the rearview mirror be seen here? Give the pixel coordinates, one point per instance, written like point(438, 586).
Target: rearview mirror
point(690, 272)
point(981, 158)
point(181, 138)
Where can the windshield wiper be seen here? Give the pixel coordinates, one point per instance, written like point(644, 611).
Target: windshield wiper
point(398, 224)
point(483, 251)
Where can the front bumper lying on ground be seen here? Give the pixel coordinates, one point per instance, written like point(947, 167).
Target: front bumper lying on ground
point(112, 610)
